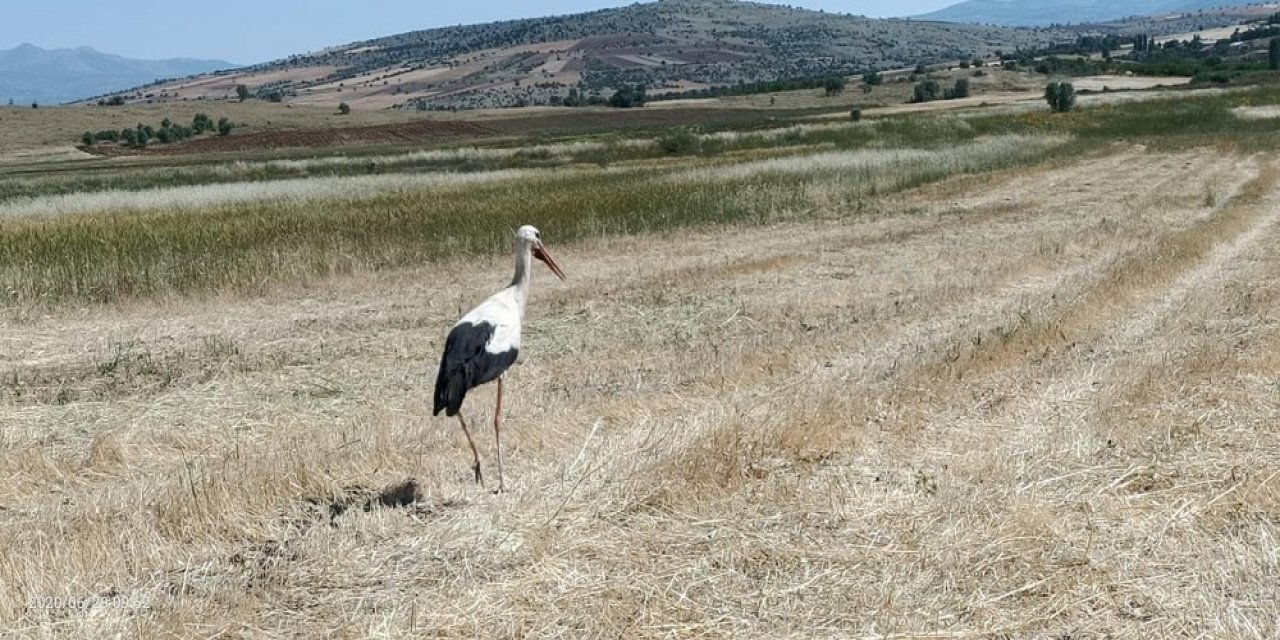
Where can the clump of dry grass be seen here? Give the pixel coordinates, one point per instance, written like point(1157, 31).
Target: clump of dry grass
point(251, 236)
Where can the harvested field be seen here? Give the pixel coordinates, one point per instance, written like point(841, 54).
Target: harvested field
point(1040, 402)
point(1126, 83)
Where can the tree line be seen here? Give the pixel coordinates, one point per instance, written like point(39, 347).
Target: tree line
point(138, 137)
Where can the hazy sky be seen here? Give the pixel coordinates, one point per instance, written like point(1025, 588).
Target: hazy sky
point(247, 31)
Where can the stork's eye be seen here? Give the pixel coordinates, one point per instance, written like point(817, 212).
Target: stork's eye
point(537, 234)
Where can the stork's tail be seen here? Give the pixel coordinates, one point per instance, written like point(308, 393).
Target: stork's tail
point(451, 388)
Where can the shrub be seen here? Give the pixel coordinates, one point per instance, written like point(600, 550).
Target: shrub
point(88, 139)
point(856, 114)
point(1061, 96)
point(680, 143)
point(224, 127)
point(926, 91)
point(833, 85)
point(242, 92)
point(344, 108)
point(873, 78)
point(960, 90)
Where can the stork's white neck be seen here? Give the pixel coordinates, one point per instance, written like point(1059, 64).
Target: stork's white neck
point(524, 265)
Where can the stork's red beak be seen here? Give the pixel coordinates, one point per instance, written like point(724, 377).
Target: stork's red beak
point(540, 252)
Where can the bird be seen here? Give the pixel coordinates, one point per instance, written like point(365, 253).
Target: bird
point(486, 342)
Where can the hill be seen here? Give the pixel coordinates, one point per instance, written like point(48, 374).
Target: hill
point(1034, 13)
point(666, 45)
point(29, 73)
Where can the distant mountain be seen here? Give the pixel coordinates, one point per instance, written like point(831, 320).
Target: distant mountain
point(668, 45)
point(29, 73)
point(1037, 13)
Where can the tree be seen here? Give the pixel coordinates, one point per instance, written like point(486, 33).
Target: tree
point(35, 105)
point(1061, 96)
point(960, 90)
point(1273, 54)
point(628, 96)
point(855, 114)
point(242, 92)
point(833, 85)
point(344, 108)
point(873, 78)
point(224, 127)
point(87, 139)
point(201, 123)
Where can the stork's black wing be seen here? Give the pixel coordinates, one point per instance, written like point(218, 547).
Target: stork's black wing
point(466, 364)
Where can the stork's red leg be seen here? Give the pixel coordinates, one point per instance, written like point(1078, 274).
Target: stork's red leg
point(474, 454)
point(497, 432)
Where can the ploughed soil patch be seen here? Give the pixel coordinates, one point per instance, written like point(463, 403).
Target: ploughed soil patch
point(568, 122)
point(421, 131)
point(657, 118)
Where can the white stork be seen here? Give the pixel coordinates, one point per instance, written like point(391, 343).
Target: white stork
point(486, 341)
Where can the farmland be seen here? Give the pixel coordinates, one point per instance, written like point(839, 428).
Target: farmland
point(978, 372)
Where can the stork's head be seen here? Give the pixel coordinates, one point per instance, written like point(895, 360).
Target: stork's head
point(530, 237)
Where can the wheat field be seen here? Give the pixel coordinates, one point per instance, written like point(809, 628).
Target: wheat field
point(1030, 402)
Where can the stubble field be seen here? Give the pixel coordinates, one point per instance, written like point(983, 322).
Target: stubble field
point(1006, 386)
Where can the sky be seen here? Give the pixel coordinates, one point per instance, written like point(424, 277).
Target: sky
point(249, 31)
